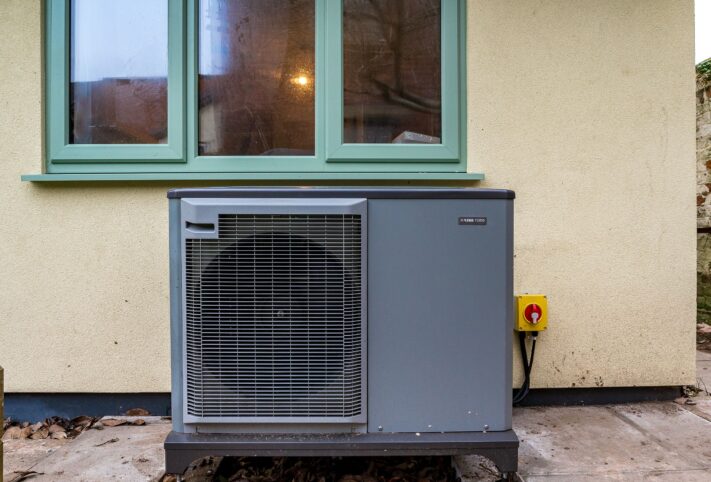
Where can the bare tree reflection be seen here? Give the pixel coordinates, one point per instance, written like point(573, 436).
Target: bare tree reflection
point(392, 71)
point(256, 81)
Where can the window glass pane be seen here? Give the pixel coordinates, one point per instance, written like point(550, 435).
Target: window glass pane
point(256, 77)
point(392, 71)
point(119, 72)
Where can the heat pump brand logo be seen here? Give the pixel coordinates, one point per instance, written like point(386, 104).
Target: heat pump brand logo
point(472, 221)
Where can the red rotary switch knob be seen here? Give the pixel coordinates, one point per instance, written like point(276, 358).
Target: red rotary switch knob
point(532, 313)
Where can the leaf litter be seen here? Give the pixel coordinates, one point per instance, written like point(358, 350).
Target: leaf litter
point(321, 469)
point(59, 428)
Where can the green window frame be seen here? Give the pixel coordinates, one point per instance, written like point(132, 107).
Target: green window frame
point(449, 149)
point(60, 151)
point(179, 159)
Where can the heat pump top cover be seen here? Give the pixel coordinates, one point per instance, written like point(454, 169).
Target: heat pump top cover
point(274, 319)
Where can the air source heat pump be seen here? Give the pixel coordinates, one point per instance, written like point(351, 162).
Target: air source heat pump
point(341, 321)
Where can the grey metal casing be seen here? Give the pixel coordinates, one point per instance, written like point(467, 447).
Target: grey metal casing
point(439, 309)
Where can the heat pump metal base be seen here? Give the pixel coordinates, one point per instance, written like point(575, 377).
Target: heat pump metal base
point(500, 447)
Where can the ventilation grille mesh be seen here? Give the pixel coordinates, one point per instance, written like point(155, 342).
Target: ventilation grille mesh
point(273, 314)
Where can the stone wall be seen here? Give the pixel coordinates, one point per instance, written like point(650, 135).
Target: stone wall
point(703, 189)
point(703, 143)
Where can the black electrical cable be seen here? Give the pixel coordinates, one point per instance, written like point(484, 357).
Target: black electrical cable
point(521, 393)
point(530, 368)
point(527, 365)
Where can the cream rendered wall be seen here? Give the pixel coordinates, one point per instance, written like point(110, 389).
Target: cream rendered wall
point(586, 109)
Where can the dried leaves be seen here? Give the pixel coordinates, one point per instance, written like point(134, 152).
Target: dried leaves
point(117, 422)
point(21, 475)
point(110, 441)
point(40, 433)
point(137, 412)
point(54, 427)
point(112, 422)
point(59, 428)
point(352, 469)
point(12, 433)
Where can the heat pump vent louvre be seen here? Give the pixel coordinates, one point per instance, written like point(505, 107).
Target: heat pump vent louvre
point(273, 312)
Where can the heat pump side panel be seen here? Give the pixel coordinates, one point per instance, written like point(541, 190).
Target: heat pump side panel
point(176, 314)
point(440, 315)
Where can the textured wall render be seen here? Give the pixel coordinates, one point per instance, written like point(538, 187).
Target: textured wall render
point(586, 109)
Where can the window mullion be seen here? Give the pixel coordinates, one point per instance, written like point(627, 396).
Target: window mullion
point(323, 78)
point(334, 88)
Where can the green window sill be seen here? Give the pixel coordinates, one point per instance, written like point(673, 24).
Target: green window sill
point(259, 176)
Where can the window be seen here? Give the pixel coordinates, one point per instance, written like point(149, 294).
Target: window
point(114, 84)
point(230, 89)
point(117, 86)
point(392, 72)
point(256, 61)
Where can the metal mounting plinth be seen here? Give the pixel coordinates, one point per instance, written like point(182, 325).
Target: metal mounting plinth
point(500, 447)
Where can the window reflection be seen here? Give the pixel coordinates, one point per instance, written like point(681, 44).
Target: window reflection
point(392, 71)
point(256, 77)
point(118, 71)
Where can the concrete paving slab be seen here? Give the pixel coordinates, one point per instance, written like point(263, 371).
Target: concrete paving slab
point(703, 355)
point(702, 408)
point(650, 441)
point(675, 428)
point(130, 453)
point(602, 443)
point(22, 455)
point(668, 476)
point(703, 374)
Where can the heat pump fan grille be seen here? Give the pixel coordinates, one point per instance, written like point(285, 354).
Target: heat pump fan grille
point(273, 314)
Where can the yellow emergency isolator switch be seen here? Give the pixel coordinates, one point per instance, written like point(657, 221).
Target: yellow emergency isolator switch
point(531, 313)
